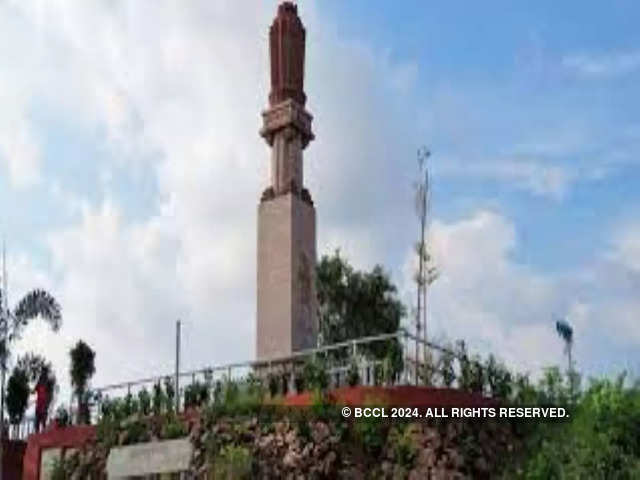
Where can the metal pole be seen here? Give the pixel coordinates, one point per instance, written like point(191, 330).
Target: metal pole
point(5, 324)
point(570, 369)
point(405, 358)
point(419, 309)
point(422, 191)
point(426, 272)
point(177, 367)
point(423, 280)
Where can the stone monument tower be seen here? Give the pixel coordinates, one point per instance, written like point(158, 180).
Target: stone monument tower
point(286, 317)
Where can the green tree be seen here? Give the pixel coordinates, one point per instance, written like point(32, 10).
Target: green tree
point(37, 303)
point(354, 304)
point(82, 369)
point(36, 366)
point(601, 440)
point(17, 394)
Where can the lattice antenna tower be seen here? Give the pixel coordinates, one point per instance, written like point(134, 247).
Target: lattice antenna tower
point(427, 273)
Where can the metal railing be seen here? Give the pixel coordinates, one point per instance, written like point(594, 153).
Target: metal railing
point(435, 365)
point(21, 430)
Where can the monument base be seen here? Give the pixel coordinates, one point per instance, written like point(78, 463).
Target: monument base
point(286, 314)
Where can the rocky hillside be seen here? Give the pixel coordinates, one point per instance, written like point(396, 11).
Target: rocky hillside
point(307, 444)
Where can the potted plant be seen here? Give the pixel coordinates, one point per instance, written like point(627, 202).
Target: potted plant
point(62, 418)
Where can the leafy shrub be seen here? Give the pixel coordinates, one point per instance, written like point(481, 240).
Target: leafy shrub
point(369, 434)
point(136, 432)
point(284, 383)
point(190, 395)
point(498, 378)
point(390, 374)
point(255, 388)
point(478, 377)
point(602, 440)
point(232, 462)
point(446, 368)
point(82, 369)
point(321, 406)
point(110, 408)
point(170, 394)
point(302, 425)
point(130, 405)
point(315, 375)
point(106, 407)
point(574, 380)
point(523, 393)
point(378, 374)
point(231, 392)
point(173, 428)
point(62, 417)
point(107, 431)
point(465, 379)
point(427, 370)
point(196, 395)
point(122, 409)
point(61, 469)
point(273, 382)
point(159, 400)
point(217, 392)
point(17, 395)
point(299, 382)
point(353, 374)
point(144, 401)
point(552, 388)
point(405, 448)
point(236, 399)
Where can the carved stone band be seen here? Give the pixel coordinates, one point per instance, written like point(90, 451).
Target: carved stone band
point(287, 114)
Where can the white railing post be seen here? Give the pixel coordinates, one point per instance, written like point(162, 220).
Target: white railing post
point(364, 372)
point(292, 383)
point(385, 374)
point(405, 363)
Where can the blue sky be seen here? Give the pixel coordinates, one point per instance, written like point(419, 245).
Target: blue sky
point(131, 167)
point(507, 58)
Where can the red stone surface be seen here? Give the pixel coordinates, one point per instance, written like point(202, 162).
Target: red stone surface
point(398, 396)
point(13, 455)
point(68, 437)
point(286, 44)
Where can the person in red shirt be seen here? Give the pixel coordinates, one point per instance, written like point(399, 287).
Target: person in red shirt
point(42, 397)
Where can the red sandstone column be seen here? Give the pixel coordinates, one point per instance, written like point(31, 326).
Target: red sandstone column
point(286, 313)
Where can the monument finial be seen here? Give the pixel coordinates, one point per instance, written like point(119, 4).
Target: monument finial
point(286, 116)
point(287, 44)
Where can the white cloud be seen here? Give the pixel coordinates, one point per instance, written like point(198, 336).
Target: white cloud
point(603, 65)
point(626, 247)
point(539, 178)
point(483, 296)
point(499, 305)
point(19, 149)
